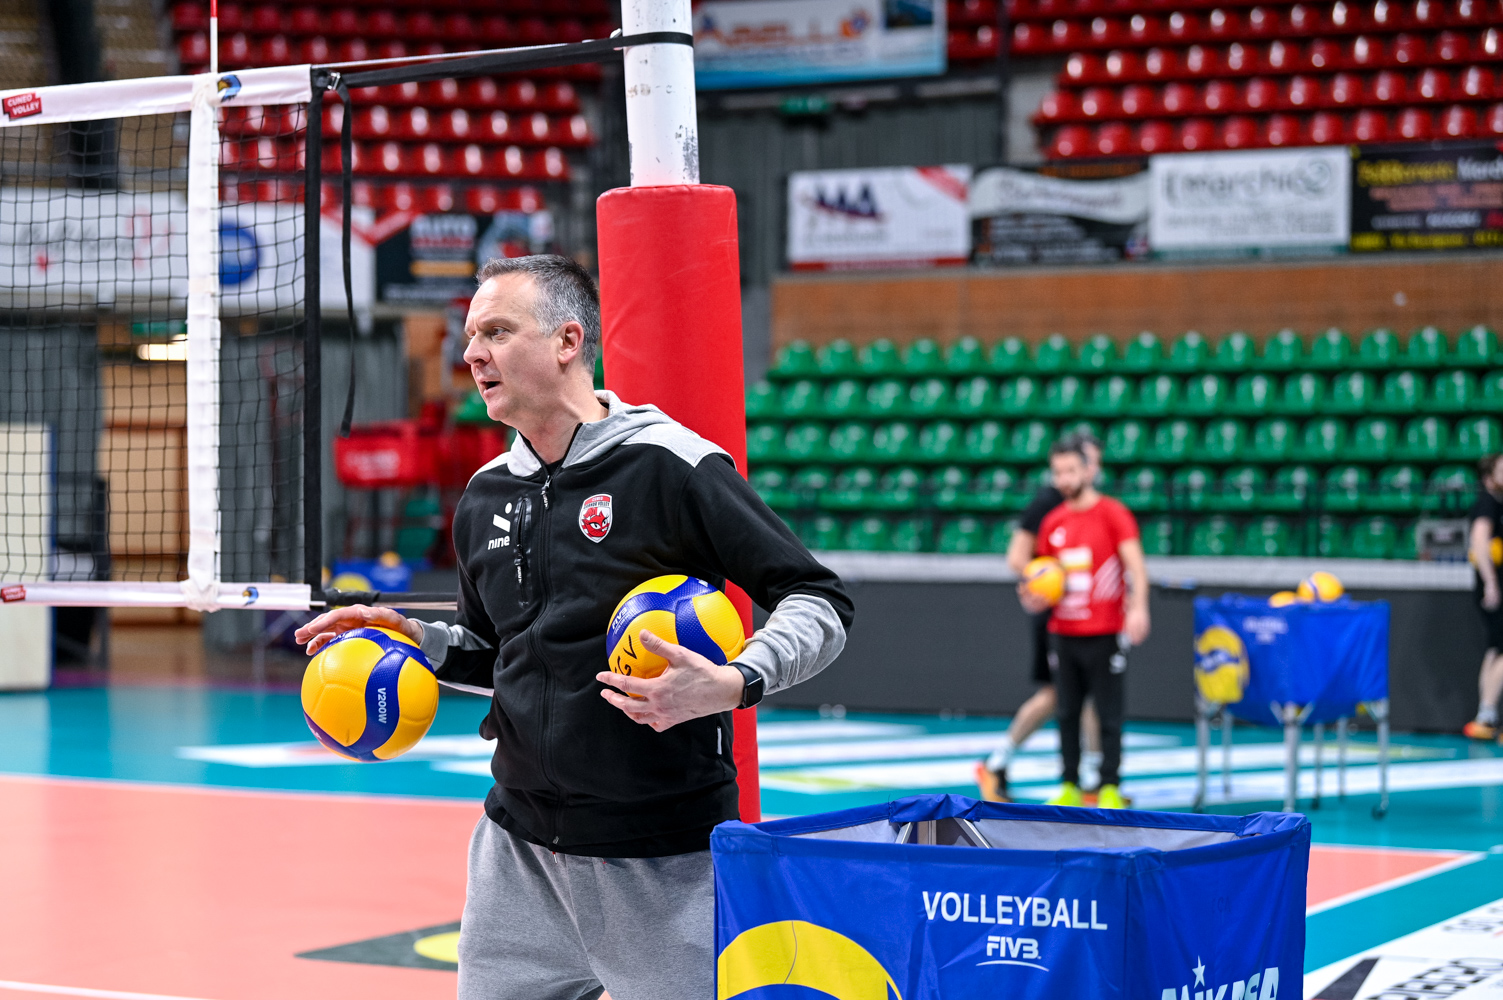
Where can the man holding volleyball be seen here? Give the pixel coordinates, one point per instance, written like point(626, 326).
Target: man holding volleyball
point(590, 871)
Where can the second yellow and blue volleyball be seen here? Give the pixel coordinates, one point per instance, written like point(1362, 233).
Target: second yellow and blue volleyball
point(683, 610)
point(1320, 587)
point(369, 694)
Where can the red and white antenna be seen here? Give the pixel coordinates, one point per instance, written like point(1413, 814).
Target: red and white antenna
point(213, 37)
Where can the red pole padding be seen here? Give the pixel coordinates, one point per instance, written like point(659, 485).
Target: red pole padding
point(670, 303)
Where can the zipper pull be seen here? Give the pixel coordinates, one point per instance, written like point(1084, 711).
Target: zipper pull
point(546, 481)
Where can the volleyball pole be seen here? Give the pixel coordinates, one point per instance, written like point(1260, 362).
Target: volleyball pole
point(670, 279)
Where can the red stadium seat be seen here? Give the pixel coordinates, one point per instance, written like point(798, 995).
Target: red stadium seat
point(1426, 14)
point(496, 31)
point(238, 50)
point(397, 198)
point(1452, 47)
point(1114, 139)
point(344, 21)
point(305, 21)
point(1326, 129)
point(1225, 25)
point(1243, 58)
point(1345, 91)
point(1201, 61)
point(1145, 30)
point(1123, 65)
point(509, 162)
point(381, 23)
point(1302, 93)
point(471, 161)
point(536, 31)
point(1140, 101)
point(353, 50)
point(1069, 141)
point(193, 50)
point(1221, 97)
point(1492, 121)
point(1301, 20)
point(1060, 105)
point(1466, 13)
point(1388, 87)
point(482, 199)
point(315, 50)
point(1370, 126)
point(1181, 99)
point(415, 123)
point(1239, 132)
point(1458, 122)
point(460, 28)
point(1366, 53)
point(1491, 46)
point(1065, 35)
point(1416, 124)
point(1083, 67)
point(453, 125)
point(1197, 135)
point(232, 17)
point(392, 48)
point(559, 96)
point(1407, 50)
point(494, 126)
point(429, 49)
point(1284, 57)
point(1095, 102)
point(1262, 22)
point(1260, 94)
point(189, 16)
point(1322, 54)
point(265, 19)
point(389, 158)
point(275, 51)
point(432, 159)
point(552, 163)
point(574, 132)
point(1434, 85)
point(1106, 32)
point(1283, 130)
point(1184, 28)
point(1027, 39)
point(480, 93)
point(421, 26)
point(1161, 64)
point(371, 123)
point(1155, 137)
point(442, 94)
point(1478, 83)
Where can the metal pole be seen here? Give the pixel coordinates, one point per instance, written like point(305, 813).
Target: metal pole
point(1379, 710)
point(1341, 734)
point(1291, 755)
point(1320, 741)
point(1202, 747)
point(213, 37)
point(1226, 754)
point(662, 123)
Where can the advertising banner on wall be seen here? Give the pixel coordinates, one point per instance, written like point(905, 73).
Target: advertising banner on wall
point(1253, 203)
point(895, 217)
point(1440, 196)
point(1025, 217)
point(433, 260)
point(774, 43)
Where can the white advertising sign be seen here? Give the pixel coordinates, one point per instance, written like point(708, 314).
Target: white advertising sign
point(878, 218)
point(1121, 200)
point(1250, 202)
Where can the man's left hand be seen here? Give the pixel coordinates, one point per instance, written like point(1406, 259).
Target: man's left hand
point(1137, 626)
point(688, 688)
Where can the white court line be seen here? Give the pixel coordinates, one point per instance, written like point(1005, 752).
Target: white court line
point(81, 991)
point(1394, 883)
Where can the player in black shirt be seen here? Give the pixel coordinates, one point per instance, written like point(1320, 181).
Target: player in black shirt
point(991, 774)
point(1485, 538)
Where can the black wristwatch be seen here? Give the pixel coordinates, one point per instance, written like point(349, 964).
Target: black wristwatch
point(755, 686)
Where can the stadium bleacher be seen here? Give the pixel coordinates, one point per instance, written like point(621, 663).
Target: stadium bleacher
point(1318, 447)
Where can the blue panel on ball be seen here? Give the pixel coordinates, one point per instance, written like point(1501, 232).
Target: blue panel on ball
point(330, 741)
point(381, 702)
point(691, 587)
point(692, 634)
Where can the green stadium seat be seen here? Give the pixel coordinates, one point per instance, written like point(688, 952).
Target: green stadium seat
point(965, 357)
point(1352, 392)
point(1374, 439)
point(923, 357)
point(1331, 350)
point(898, 489)
point(844, 399)
point(929, 397)
point(1190, 488)
point(1027, 486)
point(985, 441)
point(895, 441)
point(1019, 397)
point(1427, 348)
point(837, 359)
point(1090, 428)
point(1346, 488)
point(771, 484)
point(880, 359)
point(1273, 440)
point(1473, 437)
point(1223, 440)
point(1106, 482)
point(1240, 489)
point(962, 536)
point(1143, 489)
point(1450, 490)
point(1143, 354)
point(850, 442)
point(1398, 489)
point(1098, 355)
point(822, 533)
point(1490, 392)
point(793, 523)
point(946, 485)
point(1291, 489)
point(887, 397)
point(1173, 440)
point(1403, 393)
point(992, 490)
point(1424, 440)
point(975, 396)
point(764, 442)
point(1253, 395)
point(1157, 396)
point(1235, 353)
point(912, 534)
point(1053, 356)
point(1322, 440)
point(1190, 353)
point(1405, 544)
point(1009, 357)
point(808, 481)
point(1302, 395)
point(1160, 535)
point(1379, 349)
point(1453, 391)
point(868, 534)
point(1063, 397)
point(1372, 538)
point(1030, 441)
point(941, 441)
point(1000, 535)
point(854, 488)
point(1327, 537)
point(761, 400)
point(1126, 440)
point(1283, 351)
point(1266, 536)
point(795, 360)
point(1110, 397)
point(799, 400)
point(1476, 347)
point(1203, 396)
point(807, 442)
point(1212, 536)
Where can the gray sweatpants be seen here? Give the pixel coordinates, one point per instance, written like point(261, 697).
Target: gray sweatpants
point(545, 926)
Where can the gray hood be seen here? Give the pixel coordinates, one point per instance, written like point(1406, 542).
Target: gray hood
point(624, 424)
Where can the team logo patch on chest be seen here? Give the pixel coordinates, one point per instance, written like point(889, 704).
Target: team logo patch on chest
point(595, 517)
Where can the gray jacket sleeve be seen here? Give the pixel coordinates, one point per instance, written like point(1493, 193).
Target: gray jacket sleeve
point(802, 636)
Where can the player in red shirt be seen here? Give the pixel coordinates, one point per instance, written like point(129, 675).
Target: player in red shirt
point(1103, 613)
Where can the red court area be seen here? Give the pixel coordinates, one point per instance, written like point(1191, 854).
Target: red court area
point(210, 894)
point(203, 893)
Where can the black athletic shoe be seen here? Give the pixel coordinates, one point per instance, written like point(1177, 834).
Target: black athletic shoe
point(993, 784)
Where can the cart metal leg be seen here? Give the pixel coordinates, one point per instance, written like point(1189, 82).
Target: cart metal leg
point(1320, 741)
point(1290, 715)
point(1226, 755)
point(1202, 748)
point(1341, 734)
point(1379, 712)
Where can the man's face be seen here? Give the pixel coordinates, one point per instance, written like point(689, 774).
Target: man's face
point(1494, 481)
point(517, 366)
point(1070, 473)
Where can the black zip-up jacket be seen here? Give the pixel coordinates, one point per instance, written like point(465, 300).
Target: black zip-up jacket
point(545, 554)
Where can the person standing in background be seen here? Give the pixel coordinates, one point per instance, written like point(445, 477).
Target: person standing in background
point(1485, 550)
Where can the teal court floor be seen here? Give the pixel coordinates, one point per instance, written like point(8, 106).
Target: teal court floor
point(154, 838)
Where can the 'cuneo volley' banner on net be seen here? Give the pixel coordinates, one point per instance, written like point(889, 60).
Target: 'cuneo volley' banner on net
point(1252, 656)
point(1062, 903)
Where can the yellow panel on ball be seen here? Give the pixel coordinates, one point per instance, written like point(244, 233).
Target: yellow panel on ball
point(683, 610)
point(369, 694)
point(417, 693)
point(1044, 577)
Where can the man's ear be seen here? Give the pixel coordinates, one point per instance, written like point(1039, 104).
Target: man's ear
point(570, 342)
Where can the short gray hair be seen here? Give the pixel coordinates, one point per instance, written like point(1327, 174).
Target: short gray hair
point(565, 291)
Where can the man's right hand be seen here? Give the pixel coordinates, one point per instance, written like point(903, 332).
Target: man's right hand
point(1490, 596)
point(320, 630)
point(1032, 603)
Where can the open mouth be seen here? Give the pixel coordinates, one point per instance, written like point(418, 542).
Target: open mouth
point(486, 385)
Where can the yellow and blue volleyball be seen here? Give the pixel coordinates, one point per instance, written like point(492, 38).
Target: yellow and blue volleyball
point(1320, 587)
point(683, 610)
point(1221, 667)
point(369, 694)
